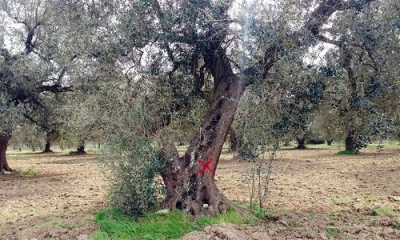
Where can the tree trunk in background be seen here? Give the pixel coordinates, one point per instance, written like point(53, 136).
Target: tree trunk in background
point(51, 136)
point(47, 147)
point(329, 142)
point(189, 179)
point(349, 141)
point(81, 150)
point(301, 143)
point(234, 140)
point(4, 138)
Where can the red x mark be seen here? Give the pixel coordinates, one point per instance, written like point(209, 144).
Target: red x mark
point(206, 165)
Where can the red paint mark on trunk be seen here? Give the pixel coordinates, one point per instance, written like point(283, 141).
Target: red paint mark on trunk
point(206, 166)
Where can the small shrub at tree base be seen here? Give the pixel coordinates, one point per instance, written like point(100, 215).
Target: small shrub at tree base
point(134, 172)
point(135, 190)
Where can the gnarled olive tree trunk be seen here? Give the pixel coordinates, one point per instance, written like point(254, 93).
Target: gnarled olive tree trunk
point(4, 138)
point(350, 141)
point(190, 179)
point(51, 136)
point(301, 143)
point(47, 147)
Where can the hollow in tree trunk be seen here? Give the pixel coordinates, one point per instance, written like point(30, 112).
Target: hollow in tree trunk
point(4, 138)
point(349, 141)
point(189, 179)
point(301, 143)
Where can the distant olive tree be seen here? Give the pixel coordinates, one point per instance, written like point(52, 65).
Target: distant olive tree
point(367, 56)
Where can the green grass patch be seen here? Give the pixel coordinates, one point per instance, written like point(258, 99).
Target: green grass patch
point(333, 231)
point(172, 225)
point(384, 211)
point(339, 200)
point(292, 223)
point(30, 172)
point(61, 225)
point(348, 152)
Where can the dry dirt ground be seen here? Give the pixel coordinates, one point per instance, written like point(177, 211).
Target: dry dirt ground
point(314, 194)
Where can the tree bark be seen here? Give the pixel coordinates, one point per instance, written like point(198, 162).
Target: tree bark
point(4, 138)
point(349, 141)
point(50, 136)
point(301, 143)
point(81, 150)
point(189, 179)
point(47, 147)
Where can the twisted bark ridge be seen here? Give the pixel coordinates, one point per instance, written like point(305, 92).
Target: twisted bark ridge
point(189, 179)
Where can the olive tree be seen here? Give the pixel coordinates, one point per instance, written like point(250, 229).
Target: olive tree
point(39, 48)
point(213, 50)
point(366, 55)
point(32, 58)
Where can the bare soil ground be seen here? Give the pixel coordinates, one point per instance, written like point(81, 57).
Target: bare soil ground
point(54, 196)
point(314, 194)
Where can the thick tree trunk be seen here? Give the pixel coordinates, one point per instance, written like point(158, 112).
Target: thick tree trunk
point(329, 142)
point(50, 137)
point(4, 138)
point(47, 147)
point(189, 179)
point(349, 141)
point(81, 150)
point(301, 143)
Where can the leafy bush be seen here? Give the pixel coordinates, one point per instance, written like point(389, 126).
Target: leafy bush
point(131, 160)
point(134, 169)
point(361, 140)
point(247, 150)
